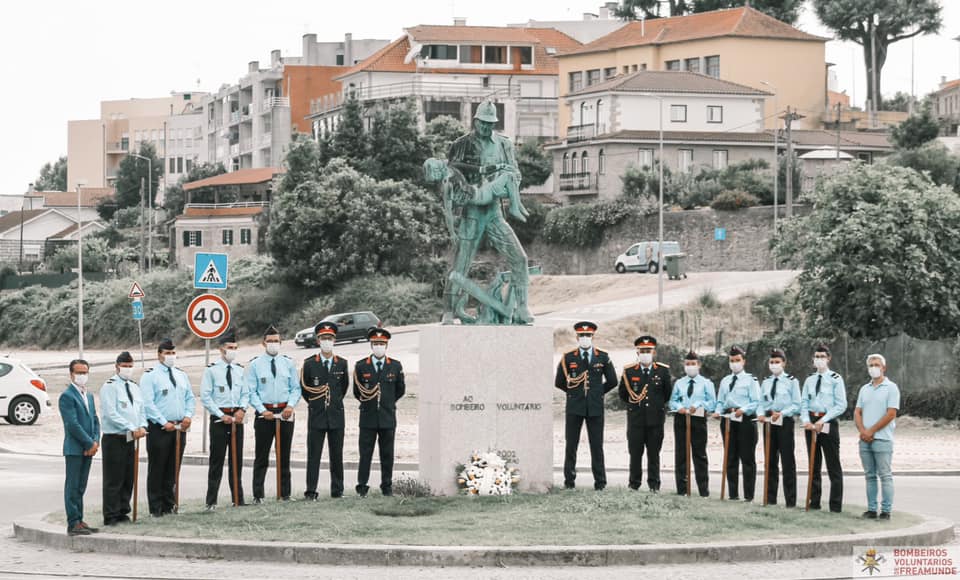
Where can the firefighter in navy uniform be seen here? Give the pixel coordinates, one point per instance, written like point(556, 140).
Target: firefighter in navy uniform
point(324, 380)
point(585, 374)
point(645, 387)
point(378, 384)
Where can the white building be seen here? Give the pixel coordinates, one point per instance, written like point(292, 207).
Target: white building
point(587, 29)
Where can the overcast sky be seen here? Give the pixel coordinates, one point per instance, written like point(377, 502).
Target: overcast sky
point(64, 57)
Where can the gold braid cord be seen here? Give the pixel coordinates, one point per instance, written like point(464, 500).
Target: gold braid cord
point(631, 394)
point(366, 393)
point(576, 382)
point(315, 393)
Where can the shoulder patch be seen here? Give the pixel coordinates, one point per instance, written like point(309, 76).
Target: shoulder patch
point(211, 364)
point(629, 366)
point(148, 370)
point(286, 357)
point(574, 351)
point(835, 375)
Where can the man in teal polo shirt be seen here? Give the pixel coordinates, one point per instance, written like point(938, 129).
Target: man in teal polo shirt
point(875, 416)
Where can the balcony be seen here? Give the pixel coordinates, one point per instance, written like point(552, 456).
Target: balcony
point(235, 204)
point(234, 117)
point(578, 182)
point(419, 88)
point(246, 145)
point(269, 103)
point(118, 147)
point(234, 150)
point(577, 133)
point(265, 140)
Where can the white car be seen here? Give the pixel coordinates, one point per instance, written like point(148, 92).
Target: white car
point(23, 394)
point(642, 257)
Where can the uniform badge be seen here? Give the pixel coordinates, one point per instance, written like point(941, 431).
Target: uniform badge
point(316, 381)
point(221, 389)
point(573, 365)
point(263, 380)
point(164, 392)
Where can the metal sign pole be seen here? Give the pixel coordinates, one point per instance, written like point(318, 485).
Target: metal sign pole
point(140, 332)
point(206, 362)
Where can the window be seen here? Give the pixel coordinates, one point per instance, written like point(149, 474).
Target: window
point(173, 165)
point(499, 126)
point(713, 66)
point(565, 166)
point(643, 66)
point(865, 156)
point(692, 65)
point(626, 69)
point(439, 52)
point(495, 54)
point(227, 237)
point(720, 158)
point(434, 109)
point(593, 77)
point(5, 369)
point(609, 73)
point(576, 81)
point(645, 158)
point(192, 238)
point(678, 113)
point(633, 68)
point(471, 54)
point(575, 164)
point(245, 236)
point(521, 54)
point(685, 160)
point(339, 60)
point(179, 164)
point(584, 163)
point(672, 65)
point(714, 114)
point(189, 165)
point(601, 163)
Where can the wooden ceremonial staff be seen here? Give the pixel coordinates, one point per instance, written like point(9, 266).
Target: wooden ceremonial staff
point(136, 476)
point(176, 469)
point(766, 459)
point(689, 475)
point(813, 454)
point(726, 450)
point(233, 463)
point(278, 418)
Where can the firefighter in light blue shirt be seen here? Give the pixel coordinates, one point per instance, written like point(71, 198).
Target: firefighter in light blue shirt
point(225, 396)
point(875, 415)
point(169, 402)
point(274, 385)
point(739, 395)
point(780, 400)
point(690, 393)
point(123, 421)
point(822, 400)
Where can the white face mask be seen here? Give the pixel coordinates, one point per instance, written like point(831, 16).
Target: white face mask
point(776, 368)
point(379, 350)
point(169, 360)
point(326, 345)
point(736, 367)
point(125, 372)
point(820, 364)
point(585, 342)
point(229, 355)
point(645, 358)
point(80, 380)
point(691, 370)
point(875, 372)
point(273, 348)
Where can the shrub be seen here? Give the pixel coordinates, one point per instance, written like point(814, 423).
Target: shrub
point(584, 225)
point(708, 299)
point(530, 230)
point(733, 200)
point(395, 299)
point(407, 486)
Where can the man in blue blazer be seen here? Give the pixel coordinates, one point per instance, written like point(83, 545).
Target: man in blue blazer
point(81, 440)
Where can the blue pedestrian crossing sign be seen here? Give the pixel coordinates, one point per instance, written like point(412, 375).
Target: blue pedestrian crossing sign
point(137, 309)
point(210, 271)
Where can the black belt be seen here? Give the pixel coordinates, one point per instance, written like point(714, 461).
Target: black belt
point(115, 436)
point(229, 410)
point(275, 407)
point(818, 415)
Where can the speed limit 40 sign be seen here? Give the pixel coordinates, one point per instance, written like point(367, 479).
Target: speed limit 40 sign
point(208, 316)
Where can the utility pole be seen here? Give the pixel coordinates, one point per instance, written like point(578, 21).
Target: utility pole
point(788, 119)
point(838, 132)
point(143, 224)
point(873, 71)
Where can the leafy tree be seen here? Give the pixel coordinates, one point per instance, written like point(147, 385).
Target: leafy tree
point(97, 256)
point(441, 132)
point(898, 102)
point(131, 171)
point(915, 131)
point(53, 176)
point(785, 10)
point(636, 9)
point(397, 148)
point(898, 20)
point(933, 160)
point(303, 164)
point(175, 197)
point(348, 139)
point(535, 164)
point(321, 233)
point(879, 255)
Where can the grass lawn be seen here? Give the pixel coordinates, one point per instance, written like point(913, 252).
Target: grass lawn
point(614, 516)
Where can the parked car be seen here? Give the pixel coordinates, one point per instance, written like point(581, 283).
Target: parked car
point(642, 257)
point(23, 394)
point(352, 326)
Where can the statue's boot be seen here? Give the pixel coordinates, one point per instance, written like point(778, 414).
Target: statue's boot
point(522, 315)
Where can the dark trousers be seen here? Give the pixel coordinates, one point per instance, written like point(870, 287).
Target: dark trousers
point(574, 424)
point(220, 449)
point(74, 486)
point(828, 446)
point(264, 433)
point(161, 467)
point(742, 451)
point(384, 438)
point(334, 437)
point(118, 459)
point(642, 438)
point(781, 452)
point(698, 453)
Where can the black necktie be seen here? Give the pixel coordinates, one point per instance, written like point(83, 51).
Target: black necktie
point(379, 366)
point(129, 396)
point(690, 388)
point(773, 390)
point(733, 383)
point(819, 379)
point(585, 355)
point(326, 363)
point(273, 367)
point(173, 381)
point(229, 377)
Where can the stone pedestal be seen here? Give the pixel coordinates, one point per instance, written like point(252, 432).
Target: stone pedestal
point(485, 388)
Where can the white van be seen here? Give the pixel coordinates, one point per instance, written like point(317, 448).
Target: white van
point(642, 257)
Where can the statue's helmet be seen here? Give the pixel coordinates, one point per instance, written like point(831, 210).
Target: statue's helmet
point(487, 111)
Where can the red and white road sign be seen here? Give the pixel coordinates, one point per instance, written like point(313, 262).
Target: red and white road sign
point(208, 316)
point(136, 292)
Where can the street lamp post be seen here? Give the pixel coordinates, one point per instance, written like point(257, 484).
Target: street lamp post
point(79, 275)
point(150, 205)
point(660, 211)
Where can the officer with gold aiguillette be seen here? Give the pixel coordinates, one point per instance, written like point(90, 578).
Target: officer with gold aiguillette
point(585, 374)
point(645, 387)
point(324, 380)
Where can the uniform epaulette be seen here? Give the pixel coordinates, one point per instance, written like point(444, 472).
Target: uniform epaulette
point(239, 365)
point(834, 375)
point(600, 351)
point(629, 366)
point(286, 357)
point(571, 351)
point(211, 364)
point(148, 370)
point(790, 377)
point(660, 364)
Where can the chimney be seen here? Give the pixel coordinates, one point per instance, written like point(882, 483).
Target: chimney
point(309, 48)
point(348, 49)
point(275, 59)
point(459, 21)
point(943, 80)
point(606, 11)
point(253, 66)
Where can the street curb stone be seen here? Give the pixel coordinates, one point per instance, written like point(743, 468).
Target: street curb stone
point(933, 531)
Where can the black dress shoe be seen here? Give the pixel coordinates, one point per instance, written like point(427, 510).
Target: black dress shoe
point(87, 526)
point(599, 486)
point(337, 495)
point(569, 486)
point(884, 516)
point(310, 496)
point(868, 515)
point(78, 530)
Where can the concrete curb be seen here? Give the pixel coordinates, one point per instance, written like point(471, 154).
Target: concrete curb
point(933, 531)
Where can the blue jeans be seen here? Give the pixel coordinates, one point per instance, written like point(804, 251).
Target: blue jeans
point(877, 459)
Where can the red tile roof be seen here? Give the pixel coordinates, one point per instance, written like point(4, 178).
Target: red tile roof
point(89, 197)
point(743, 21)
point(239, 177)
point(949, 85)
point(12, 219)
point(73, 227)
point(204, 212)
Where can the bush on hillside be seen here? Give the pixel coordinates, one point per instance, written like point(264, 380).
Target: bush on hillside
point(733, 200)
